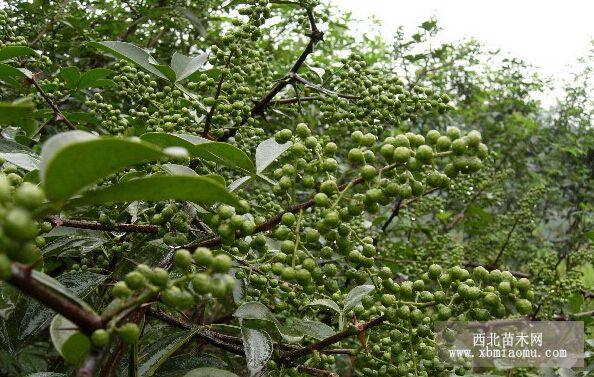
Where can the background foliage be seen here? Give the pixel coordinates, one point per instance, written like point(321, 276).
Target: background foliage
point(222, 188)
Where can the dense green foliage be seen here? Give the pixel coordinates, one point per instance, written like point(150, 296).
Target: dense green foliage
point(229, 188)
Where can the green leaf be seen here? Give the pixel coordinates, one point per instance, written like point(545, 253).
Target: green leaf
point(258, 311)
point(71, 76)
point(80, 283)
point(22, 160)
point(68, 341)
point(355, 296)
point(198, 189)
point(258, 348)
point(330, 304)
point(590, 234)
point(90, 78)
point(154, 355)
point(131, 53)
point(179, 365)
point(166, 71)
point(313, 329)
point(15, 112)
point(73, 160)
point(184, 66)
point(10, 75)
point(176, 169)
point(267, 152)
point(9, 52)
point(218, 152)
point(209, 372)
point(225, 154)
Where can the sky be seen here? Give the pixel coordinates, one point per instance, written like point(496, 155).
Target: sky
point(550, 34)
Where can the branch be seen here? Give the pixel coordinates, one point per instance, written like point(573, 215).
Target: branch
point(82, 224)
point(315, 372)
point(460, 215)
point(23, 279)
point(210, 337)
point(290, 357)
point(315, 36)
point(323, 90)
point(288, 101)
point(58, 116)
point(91, 363)
point(506, 243)
point(275, 220)
point(211, 112)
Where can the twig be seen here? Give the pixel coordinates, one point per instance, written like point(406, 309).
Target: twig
point(58, 116)
point(315, 372)
point(506, 243)
point(315, 36)
point(208, 119)
point(91, 364)
point(82, 224)
point(290, 357)
point(22, 279)
point(460, 215)
point(275, 220)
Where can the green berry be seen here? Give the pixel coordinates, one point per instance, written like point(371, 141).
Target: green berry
point(100, 338)
point(221, 263)
point(129, 332)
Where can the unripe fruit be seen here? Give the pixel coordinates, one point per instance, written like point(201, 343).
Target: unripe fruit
point(159, 277)
point(100, 338)
point(19, 225)
point(302, 130)
point(523, 284)
point(120, 290)
point(459, 146)
point(453, 132)
point(135, 280)
point(424, 154)
point(221, 263)
point(182, 259)
point(356, 156)
point(401, 154)
point(524, 306)
point(473, 138)
point(201, 283)
point(434, 271)
point(29, 196)
point(368, 172)
point(203, 256)
point(129, 332)
point(443, 143)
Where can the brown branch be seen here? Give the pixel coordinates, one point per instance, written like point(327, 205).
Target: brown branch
point(460, 215)
point(83, 224)
point(23, 279)
point(394, 213)
point(506, 243)
point(315, 36)
point(91, 364)
point(288, 101)
point(323, 90)
point(315, 372)
point(208, 119)
point(275, 220)
point(58, 116)
point(289, 357)
point(210, 337)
